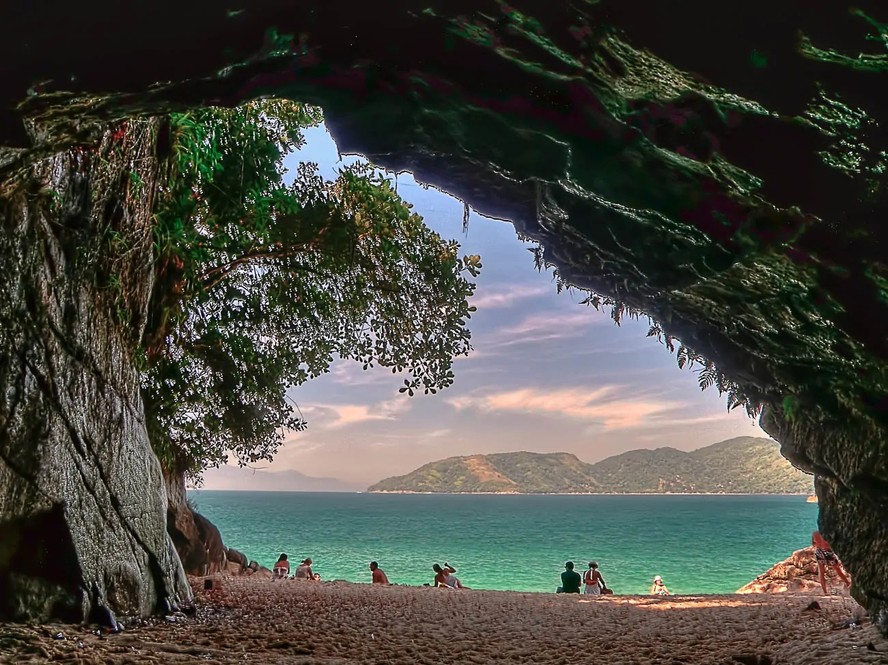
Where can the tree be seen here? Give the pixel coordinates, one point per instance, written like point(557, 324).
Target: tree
point(262, 283)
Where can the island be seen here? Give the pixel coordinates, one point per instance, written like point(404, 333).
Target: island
point(742, 465)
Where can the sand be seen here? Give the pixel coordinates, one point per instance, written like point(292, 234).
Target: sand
point(253, 620)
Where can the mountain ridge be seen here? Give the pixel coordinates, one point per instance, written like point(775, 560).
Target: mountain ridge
point(742, 465)
point(231, 478)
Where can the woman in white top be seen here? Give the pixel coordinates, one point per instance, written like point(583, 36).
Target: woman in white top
point(593, 580)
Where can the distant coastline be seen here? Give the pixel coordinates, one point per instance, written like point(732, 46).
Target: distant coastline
point(742, 466)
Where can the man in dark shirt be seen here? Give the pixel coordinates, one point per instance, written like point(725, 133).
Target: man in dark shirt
point(570, 579)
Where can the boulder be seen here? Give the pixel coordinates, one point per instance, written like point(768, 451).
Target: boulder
point(237, 560)
point(197, 540)
point(795, 574)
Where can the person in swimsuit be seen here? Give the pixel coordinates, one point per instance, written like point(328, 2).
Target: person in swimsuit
point(658, 588)
point(826, 558)
point(377, 574)
point(444, 577)
point(304, 571)
point(281, 567)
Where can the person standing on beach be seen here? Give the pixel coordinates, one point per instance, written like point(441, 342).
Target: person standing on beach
point(570, 579)
point(379, 576)
point(593, 580)
point(826, 558)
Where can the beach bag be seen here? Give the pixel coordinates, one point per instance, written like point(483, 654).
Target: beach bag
point(607, 591)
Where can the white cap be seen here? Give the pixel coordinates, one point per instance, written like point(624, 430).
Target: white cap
point(657, 578)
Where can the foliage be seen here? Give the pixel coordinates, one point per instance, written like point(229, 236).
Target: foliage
point(741, 465)
point(262, 283)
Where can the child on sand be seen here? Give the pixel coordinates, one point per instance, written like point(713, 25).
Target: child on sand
point(658, 588)
point(826, 558)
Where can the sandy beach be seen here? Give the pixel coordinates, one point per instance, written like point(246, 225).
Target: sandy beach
point(253, 620)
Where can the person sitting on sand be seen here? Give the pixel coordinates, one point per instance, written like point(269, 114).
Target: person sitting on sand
point(444, 577)
point(377, 574)
point(593, 580)
point(826, 558)
point(658, 588)
point(281, 567)
point(570, 579)
point(303, 570)
point(316, 577)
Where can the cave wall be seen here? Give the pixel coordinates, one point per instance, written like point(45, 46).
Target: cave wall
point(721, 167)
point(82, 505)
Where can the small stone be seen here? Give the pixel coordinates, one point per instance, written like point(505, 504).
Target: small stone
point(58, 636)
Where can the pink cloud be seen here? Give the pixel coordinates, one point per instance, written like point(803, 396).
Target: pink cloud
point(604, 406)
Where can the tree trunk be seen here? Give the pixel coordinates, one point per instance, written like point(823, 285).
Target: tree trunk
point(82, 500)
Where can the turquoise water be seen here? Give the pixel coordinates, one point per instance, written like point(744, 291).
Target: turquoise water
point(699, 544)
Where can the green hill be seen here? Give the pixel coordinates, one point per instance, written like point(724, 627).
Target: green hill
point(741, 465)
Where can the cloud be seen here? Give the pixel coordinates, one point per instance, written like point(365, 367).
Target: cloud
point(604, 406)
point(351, 373)
point(506, 297)
point(543, 327)
point(336, 416)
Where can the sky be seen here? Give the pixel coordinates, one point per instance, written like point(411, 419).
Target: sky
point(547, 374)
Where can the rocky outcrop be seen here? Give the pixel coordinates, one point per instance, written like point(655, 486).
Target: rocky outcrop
point(197, 540)
point(719, 166)
point(237, 561)
point(82, 504)
point(795, 574)
point(852, 496)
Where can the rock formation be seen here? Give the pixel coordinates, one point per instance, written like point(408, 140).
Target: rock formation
point(82, 505)
point(197, 540)
point(722, 168)
point(795, 574)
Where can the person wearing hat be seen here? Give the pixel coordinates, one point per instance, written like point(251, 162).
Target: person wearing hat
point(658, 588)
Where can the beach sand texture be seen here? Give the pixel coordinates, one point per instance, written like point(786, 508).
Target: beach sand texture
point(251, 620)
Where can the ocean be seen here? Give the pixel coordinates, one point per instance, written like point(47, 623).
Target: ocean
point(698, 544)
